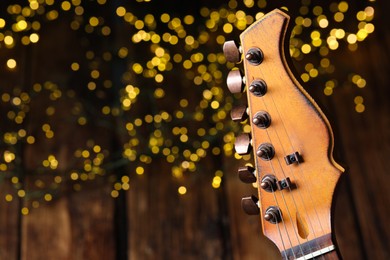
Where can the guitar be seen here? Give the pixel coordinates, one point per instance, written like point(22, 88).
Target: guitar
point(292, 141)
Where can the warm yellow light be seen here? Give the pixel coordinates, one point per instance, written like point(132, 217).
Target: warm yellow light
point(24, 211)
point(360, 108)
point(121, 11)
point(139, 170)
point(8, 197)
point(323, 23)
point(8, 40)
point(352, 38)
point(2, 23)
point(358, 100)
point(94, 21)
point(34, 5)
point(21, 25)
point(66, 5)
point(343, 6)
point(114, 193)
point(182, 190)
point(328, 91)
point(48, 197)
point(34, 38)
point(11, 63)
point(338, 17)
point(306, 48)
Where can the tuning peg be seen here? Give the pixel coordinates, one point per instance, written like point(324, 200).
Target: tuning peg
point(235, 82)
point(265, 151)
point(258, 88)
point(247, 174)
point(231, 51)
point(254, 56)
point(249, 205)
point(268, 183)
point(242, 145)
point(239, 113)
point(273, 215)
point(262, 119)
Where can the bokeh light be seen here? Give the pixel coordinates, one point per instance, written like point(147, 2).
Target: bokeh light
point(155, 79)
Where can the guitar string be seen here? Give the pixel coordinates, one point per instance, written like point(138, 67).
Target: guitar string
point(279, 231)
point(304, 179)
point(282, 193)
point(284, 200)
point(277, 203)
point(293, 175)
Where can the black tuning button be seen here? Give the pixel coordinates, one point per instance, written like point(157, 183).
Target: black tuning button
point(239, 113)
point(273, 215)
point(265, 151)
point(262, 119)
point(235, 82)
point(242, 144)
point(231, 51)
point(249, 205)
point(254, 56)
point(247, 174)
point(258, 88)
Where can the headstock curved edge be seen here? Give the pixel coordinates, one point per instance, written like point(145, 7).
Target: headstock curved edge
point(298, 125)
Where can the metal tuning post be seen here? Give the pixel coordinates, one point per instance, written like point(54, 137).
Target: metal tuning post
point(268, 183)
point(254, 56)
point(258, 87)
point(265, 151)
point(262, 119)
point(273, 215)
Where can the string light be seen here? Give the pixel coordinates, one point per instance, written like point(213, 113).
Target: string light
point(165, 56)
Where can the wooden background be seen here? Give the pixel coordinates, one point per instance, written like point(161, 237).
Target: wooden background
point(150, 221)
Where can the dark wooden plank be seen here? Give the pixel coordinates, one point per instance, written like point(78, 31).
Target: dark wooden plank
point(346, 226)
point(165, 225)
point(365, 140)
point(46, 232)
point(75, 224)
point(78, 226)
point(247, 239)
point(365, 155)
point(9, 222)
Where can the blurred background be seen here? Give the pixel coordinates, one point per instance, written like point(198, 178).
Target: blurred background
point(116, 140)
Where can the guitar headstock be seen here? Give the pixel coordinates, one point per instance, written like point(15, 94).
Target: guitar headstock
point(291, 139)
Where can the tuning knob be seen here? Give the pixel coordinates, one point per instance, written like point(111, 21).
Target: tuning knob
point(262, 119)
point(235, 82)
point(268, 183)
point(265, 151)
point(239, 113)
point(242, 144)
point(231, 51)
point(254, 56)
point(273, 215)
point(249, 205)
point(247, 174)
point(258, 88)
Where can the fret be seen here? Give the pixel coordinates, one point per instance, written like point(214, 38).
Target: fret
point(322, 248)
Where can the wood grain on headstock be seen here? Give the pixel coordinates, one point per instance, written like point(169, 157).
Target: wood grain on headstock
point(297, 125)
